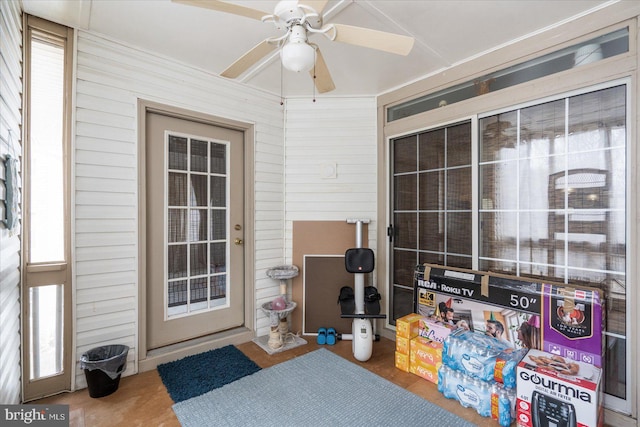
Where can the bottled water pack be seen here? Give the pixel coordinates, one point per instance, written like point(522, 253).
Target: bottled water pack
point(489, 399)
point(482, 357)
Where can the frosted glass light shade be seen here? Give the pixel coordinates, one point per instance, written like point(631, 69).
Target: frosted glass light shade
point(298, 56)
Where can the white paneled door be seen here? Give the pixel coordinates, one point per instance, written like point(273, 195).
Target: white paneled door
point(194, 229)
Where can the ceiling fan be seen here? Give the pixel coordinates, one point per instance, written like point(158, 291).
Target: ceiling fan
point(298, 20)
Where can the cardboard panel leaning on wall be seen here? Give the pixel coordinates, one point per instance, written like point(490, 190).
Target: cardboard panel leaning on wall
point(320, 238)
point(322, 276)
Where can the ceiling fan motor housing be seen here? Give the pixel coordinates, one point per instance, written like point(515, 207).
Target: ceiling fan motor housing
point(289, 13)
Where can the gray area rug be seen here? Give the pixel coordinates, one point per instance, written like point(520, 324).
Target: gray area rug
point(316, 389)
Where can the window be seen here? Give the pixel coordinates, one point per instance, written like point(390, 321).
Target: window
point(432, 214)
point(196, 232)
point(552, 203)
point(593, 50)
point(552, 184)
point(46, 257)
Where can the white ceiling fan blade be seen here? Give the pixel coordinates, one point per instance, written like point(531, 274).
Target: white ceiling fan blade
point(317, 5)
point(258, 52)
point(323, 81)
point(380, 40)
point(225, 7)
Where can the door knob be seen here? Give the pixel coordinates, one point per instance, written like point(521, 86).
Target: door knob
point(238, 241)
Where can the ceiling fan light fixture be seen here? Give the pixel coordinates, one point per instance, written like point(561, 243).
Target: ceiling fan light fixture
point(298, 56)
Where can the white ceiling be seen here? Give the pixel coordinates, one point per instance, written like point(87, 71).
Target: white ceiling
point(446, 32)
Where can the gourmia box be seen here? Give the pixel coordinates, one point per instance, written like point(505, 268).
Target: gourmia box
point(562, 319)
point(554, 391)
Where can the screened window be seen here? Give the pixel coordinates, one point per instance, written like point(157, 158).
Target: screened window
point(46, 266)
point(431, 205)
point(552, 185)
point(552, 203)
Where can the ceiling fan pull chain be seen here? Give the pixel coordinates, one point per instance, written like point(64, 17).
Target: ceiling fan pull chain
point(281, 84)
point(313, 82)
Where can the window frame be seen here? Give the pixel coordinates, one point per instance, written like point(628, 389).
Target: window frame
point(54, 272)
point(619, 69)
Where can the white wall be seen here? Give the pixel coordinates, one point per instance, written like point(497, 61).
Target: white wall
point(110, 79)
point(330, 131)
point(10, 144)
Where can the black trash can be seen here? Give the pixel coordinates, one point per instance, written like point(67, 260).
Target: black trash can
point(103, 367)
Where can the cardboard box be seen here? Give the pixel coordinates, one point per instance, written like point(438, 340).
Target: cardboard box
point(433, 329)
point(426, 351)
point(402, 361)
point(407, 326)
point(552, 390)
point(561, 319)
point(403, 345)
point(425, 370)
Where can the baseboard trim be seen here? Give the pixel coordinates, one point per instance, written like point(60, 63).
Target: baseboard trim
point(612, 418)
point(187, 348)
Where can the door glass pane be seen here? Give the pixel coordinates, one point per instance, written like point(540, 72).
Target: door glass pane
point(218, 224)
point(406, 230)
point(199, 156)
point(218, 158)
point(177, 261)
point(458, 189)
point(405, 264)
point(177, 187)
point(404, 154)
point(177, 301)
point(218, 191)
point(177, 228)
point(458, 232)
point(431, 186)
point(198, 225)
point(218, 289)
point(198, 293)
point(402, 302)
point(433, 190)
point(406, 192)
point(177, 153)
point(198, 190)
point(218, 257)
point(196, 270)
point(198, 259)
point(46, 325)
point(46, 154)
point(432, 231)
point(498, 183)
point(458, 150)
point(432, 150)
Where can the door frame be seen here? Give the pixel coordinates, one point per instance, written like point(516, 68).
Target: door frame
point(148, 360)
